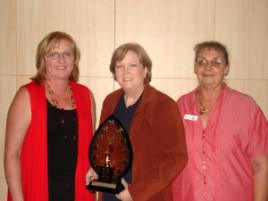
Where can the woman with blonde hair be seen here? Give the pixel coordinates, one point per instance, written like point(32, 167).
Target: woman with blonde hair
point(49, 127)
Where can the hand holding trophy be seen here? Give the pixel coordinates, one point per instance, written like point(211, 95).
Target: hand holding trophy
point(110, 155)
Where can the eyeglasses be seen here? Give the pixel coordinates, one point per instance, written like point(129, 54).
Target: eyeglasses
point(205, 63)
point(56, 55)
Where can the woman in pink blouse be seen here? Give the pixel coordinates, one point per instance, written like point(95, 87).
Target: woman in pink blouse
point(226, 134)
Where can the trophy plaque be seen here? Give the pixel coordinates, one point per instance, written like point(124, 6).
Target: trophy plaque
point(110, 155)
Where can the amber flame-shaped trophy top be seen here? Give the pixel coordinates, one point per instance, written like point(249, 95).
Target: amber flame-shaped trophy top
point(110, 155)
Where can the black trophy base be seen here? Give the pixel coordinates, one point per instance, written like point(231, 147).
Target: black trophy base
point(106, 187)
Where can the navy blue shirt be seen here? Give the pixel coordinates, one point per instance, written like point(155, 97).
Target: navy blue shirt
point(124, 115)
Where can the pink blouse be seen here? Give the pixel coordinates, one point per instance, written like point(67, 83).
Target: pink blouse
point(219, 166)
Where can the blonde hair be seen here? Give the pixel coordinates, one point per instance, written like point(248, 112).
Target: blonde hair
point(48, 43)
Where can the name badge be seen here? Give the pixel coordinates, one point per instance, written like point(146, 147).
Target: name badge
point(190, 117)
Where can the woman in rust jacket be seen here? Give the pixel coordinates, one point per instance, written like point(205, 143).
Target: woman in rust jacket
point(153, 124)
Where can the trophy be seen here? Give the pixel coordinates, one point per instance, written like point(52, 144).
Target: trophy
point(110, 154)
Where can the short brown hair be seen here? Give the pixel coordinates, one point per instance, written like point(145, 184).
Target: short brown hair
point(212, 45)
point(45, 45)
point(144, 58)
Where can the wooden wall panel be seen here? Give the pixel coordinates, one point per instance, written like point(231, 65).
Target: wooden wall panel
point(8, 37)
point(175, 87)
point(90, 22)
point(7, 71)
point(101, 87)
point(167, 29)
point(3, 190)
point(21, 80)
point(7, 91)
point(243, 26)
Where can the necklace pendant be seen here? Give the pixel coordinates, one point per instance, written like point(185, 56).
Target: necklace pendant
point(203, 111)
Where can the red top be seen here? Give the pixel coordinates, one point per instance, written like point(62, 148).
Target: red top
point(34, 162)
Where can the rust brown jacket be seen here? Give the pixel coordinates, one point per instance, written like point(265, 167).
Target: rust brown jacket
point(158, 142)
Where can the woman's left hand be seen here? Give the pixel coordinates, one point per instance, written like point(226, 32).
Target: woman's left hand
point(91, 175)
point(125, 194)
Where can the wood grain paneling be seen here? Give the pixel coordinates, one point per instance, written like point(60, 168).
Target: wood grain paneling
point(100, 88)
point(243, 26)
point(7, 92)
point(3, 189)
point(167, 29)
point(21, 80)
point(8, 37)
point(90, 22)
point(174, 87)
